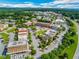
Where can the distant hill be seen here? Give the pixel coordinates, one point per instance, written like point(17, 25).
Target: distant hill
point(37, 9)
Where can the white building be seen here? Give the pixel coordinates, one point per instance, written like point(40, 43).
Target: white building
point(3, 26)
point(22, 33)
point(29, 23)
point(59, 21)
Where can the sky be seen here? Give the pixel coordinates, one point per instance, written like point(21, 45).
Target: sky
point(72, 4)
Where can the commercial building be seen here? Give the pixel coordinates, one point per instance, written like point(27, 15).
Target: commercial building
point(17, 47)
point(42, 24)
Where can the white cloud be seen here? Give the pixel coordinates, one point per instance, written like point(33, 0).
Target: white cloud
point(62, 4)
point(65, 1)
point(18, 5)
point(70, 6)
point(54, 4)
point(24, 5)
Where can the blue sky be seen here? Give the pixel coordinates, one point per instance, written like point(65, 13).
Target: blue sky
point(22, 1)
point(74, 4)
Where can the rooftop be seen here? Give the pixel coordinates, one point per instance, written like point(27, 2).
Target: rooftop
point(16, 43)
point(22, 30)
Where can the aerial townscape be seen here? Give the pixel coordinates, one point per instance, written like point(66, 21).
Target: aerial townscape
point(39, 29)
point(37, 35)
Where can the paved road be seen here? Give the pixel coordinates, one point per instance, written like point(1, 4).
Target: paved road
point(56, 43)
point(11, 37)
point(76, 56)
point(35, 44)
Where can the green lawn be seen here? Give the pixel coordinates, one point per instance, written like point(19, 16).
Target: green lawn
point(11, 30)
point(71, 49)
point(5, 37)
point(1, 57)
point(40, 32)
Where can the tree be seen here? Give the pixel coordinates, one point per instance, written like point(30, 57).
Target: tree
point(52, 56)
point(71, 41)
point(33, 27)
point(16, 35)
point(29, 57)
point(33, 52)
point(10, 25)
point(65, 55)
point(7, 57)
point(73, 33)
point(45, 56)
point(30, 38)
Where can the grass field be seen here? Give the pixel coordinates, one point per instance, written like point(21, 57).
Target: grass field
point(71, 49)
point(5, 37)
